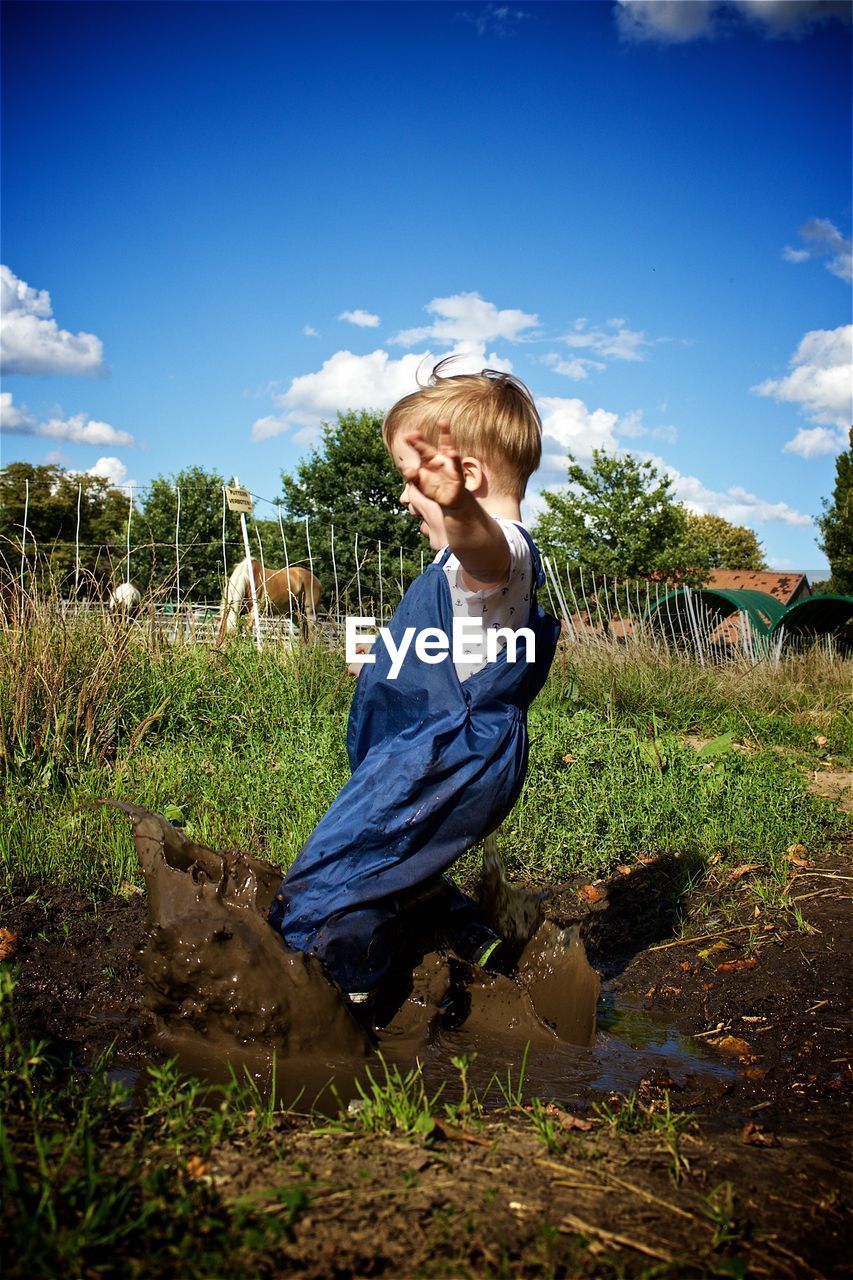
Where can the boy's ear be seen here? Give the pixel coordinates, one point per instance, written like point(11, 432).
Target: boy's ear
point(474, 473)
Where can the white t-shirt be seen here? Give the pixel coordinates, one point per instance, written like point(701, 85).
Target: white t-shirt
point(507, 605)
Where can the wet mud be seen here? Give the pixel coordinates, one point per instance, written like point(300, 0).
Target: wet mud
point(226, 992)
point(227, 995)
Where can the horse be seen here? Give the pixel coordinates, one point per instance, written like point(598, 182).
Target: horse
point(124, 600)
point(278, 590)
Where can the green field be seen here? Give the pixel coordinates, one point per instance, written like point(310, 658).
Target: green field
point(632, 751)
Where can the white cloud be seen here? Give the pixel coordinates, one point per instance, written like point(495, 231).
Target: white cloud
point(678, 21)
point(112, 470)
point(75, 430)
point(347, 381)
point(364, 319)
point(494, 19)
point(821, 377)
point(577, 429)
point(634, 428)
point(795, 255)
point(735, 504)
point(79, 429)
point(665, 21)
point(824, 241)
point(309, 331)
point(790, 17)
point(466, 317)
point(817, 442)
point(268, 426)
point(827, 241)
point(575, 367)
point(30, 339)
point(615, 341)
point(13, 419)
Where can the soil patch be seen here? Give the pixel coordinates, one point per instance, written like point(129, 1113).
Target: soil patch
point(744, 1027)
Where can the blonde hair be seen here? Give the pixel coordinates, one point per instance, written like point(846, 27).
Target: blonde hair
point(492, 417)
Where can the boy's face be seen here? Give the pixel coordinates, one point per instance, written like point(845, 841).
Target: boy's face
point(430, 513)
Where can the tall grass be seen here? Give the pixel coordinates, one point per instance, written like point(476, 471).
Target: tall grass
point(249, 748)
point(795, 698)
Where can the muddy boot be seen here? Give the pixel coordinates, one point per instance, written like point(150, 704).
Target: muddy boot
point(480, 945)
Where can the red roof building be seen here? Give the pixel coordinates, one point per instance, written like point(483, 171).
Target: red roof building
point(786, 587)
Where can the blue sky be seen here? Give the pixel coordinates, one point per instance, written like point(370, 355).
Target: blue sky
point(224, 222)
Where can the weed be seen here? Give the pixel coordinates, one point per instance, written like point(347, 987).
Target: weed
point(245, 1096)
point(512, 1093)
point(394, 1103)
point(545, 1125)
point(798, 918)
point(718, 1207)
point(625, 1113)
point(469, 1106)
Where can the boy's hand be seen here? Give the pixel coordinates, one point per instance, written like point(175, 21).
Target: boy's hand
point(439, 474)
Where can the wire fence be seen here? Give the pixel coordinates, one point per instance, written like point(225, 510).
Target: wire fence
point(593, 611)
point(357, 576)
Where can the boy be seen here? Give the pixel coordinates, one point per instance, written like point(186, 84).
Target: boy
point(438, 750)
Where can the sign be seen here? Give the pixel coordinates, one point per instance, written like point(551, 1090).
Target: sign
point(238, 500)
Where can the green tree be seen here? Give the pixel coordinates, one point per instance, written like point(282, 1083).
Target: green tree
point(350, 482)
point(836, 525)
point(199, 535)
point(714, 543)
point(51, 523)
point(619, 520)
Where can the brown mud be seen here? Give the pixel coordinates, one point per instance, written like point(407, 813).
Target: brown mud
point(227, 993)
point(742, 1021)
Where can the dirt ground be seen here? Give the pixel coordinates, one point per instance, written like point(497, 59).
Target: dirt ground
point(755, 1184)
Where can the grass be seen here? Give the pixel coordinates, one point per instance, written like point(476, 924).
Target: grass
point(86, 1178)
point(249, 749)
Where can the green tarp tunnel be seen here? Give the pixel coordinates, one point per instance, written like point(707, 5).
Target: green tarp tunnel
point(813, 618)
point(708, 617)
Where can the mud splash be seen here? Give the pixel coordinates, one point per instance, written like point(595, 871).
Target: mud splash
point(219, 980)
point(229, 995)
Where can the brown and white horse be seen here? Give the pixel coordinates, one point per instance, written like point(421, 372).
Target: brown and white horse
point(278, 591)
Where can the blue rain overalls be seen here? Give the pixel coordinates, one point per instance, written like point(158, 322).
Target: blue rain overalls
point(437, 764)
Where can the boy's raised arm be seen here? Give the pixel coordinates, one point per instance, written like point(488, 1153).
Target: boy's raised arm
point(475, 538)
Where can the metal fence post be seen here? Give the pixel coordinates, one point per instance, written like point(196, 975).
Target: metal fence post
point(177, 551)
point(335, 573)
point(224, 555)
point(24, 535)
point(77, 543)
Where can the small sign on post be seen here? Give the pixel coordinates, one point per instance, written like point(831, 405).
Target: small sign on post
point(238, 499)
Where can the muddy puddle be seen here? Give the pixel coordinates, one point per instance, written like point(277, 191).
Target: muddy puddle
point(229, 997)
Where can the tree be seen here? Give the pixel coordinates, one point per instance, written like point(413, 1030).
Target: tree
point(199, 535)
point(619, 520)
point(350, 482)
point(836, 525)
point(52, 525)
point(714, 543)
